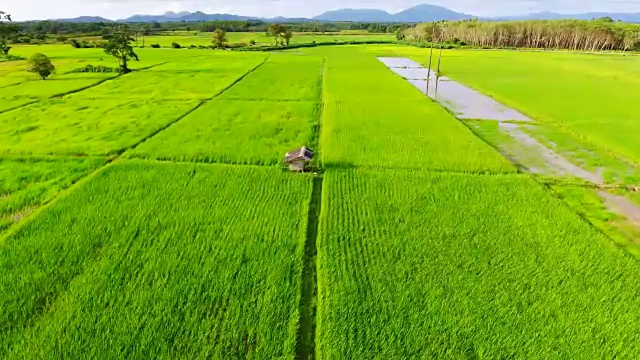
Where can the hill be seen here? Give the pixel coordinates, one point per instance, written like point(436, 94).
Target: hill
point(416, 14)
point(359, 15)
point(419, 13)
point(85, 19)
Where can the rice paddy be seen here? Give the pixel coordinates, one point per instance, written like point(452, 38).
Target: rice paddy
point(150, 215)
point(235, 132)
point(500, 270)
point(162, 259)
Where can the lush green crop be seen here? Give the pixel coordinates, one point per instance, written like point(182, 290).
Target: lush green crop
point(13, 96)
point(199, 78)
point(257, 132)
point(354, 76)
point(592, 97)
point(374, 118)
point(196, 38)
point(415, 265)
point(162, 261)
point(284, 77)
point(403, 134)
point(75, 126)
point(148, 259)
point(18, 87)
point(25, 184)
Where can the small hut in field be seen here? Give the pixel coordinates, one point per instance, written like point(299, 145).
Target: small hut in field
point(298, 159)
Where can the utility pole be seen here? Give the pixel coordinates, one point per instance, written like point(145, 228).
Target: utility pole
point(433, 38)
point(439, 62)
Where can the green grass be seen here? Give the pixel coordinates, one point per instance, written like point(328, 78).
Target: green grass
point(415, 265)
point(96, 127)
point(285, 77)
point(162, 261)
point(255, 132)
point(26, 184)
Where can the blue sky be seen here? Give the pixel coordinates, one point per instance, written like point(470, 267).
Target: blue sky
point(114, 9)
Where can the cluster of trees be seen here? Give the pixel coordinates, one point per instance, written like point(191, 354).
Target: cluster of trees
point(282, 34)
point(261, 26)
point(5, 31)
point(38, 30)
point(585, 35)
point(118, 45)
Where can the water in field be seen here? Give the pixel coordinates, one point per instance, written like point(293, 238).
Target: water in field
point(531, 155)
point(461, 100)
point(554, 163)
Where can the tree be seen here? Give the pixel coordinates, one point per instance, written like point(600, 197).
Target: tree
point(41, 65)
point(4, 31)
point(275, 31)
point(287, 34)
point(119, 46)
point(142, 30)
point(220, 38)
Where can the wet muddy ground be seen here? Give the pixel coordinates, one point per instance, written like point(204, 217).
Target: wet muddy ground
point(461, 100)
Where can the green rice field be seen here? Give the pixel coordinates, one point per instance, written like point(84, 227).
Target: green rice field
point(150, 215)
point(197, 38)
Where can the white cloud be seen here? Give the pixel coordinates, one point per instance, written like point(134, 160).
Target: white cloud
point(47, 9)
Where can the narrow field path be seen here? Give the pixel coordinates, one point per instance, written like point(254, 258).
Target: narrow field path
point(306, 347)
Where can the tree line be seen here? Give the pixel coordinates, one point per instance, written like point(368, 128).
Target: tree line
point(584, 35)
point(35, 29)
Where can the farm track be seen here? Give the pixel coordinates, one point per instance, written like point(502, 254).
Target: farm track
point(305, 346)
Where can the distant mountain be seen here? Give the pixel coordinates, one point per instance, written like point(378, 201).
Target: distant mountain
point(356, 15)
point(85, 19)
point(198, 16)
point(429, 13)
point(420, 13)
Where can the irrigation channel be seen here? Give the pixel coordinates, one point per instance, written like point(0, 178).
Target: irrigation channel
point(530, 155)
